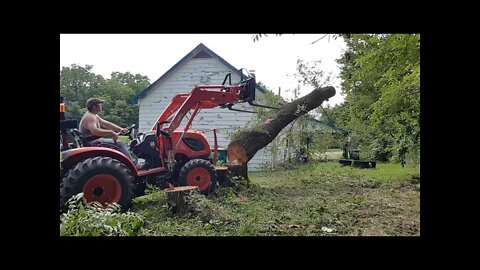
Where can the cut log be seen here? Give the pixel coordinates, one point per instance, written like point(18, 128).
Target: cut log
point(179, 199)
point(245, 144)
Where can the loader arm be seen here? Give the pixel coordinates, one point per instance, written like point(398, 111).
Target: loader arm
point(201, 97)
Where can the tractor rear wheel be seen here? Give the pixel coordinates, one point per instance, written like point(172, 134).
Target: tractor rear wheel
point(200, 173)
point(101, 179)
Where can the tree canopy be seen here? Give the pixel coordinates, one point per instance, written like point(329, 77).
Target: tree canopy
point(380, 76)
point(78, 83)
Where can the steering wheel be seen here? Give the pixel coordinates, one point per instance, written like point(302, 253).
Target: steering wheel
point(128, 131)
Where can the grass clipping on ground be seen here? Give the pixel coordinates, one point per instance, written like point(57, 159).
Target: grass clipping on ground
point(308, 200)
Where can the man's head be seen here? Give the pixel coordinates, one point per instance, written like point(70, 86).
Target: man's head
point(91, 102)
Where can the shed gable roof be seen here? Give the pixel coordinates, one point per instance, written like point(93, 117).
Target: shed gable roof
point(201, 51)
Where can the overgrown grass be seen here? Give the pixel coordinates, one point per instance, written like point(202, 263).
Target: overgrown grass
point(315, 199)
point(309, 200)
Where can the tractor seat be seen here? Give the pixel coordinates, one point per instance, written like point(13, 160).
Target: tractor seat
point(87, 140)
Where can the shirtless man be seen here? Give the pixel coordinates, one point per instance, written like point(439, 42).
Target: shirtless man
point(93, 124)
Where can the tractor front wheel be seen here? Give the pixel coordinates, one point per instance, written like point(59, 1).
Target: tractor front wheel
point(200, 173)
point(101, 179)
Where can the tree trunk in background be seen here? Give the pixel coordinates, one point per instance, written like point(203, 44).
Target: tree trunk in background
point(244, 146)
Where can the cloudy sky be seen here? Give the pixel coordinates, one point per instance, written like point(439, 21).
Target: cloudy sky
point(273, 58)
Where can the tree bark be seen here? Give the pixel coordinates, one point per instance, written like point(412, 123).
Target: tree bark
point(243, 147)
point(179, 199)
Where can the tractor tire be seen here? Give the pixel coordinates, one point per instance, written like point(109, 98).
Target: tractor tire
point(101, 179)
point(200, 173)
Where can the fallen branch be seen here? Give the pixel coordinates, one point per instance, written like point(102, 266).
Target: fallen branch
point(246, 144)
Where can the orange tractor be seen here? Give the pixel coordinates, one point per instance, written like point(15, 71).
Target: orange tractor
point(173, 156)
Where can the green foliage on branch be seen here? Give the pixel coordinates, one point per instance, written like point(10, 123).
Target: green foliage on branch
point(381, 80)
point(92, 219)
point(78, 83)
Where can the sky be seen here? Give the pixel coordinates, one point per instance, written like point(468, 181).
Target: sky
point(273, 58)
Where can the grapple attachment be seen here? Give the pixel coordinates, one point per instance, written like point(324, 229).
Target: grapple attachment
point(248, 94)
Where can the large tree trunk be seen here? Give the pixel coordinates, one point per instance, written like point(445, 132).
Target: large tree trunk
point(244, 146)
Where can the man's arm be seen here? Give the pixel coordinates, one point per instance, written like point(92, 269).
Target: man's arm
point(109, 125)
point(94, 130)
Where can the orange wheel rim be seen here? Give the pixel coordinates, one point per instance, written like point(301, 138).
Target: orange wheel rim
point(199, 177)
point(103, 188)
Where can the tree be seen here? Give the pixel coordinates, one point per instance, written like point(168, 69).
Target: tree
point(78, 84)
point(381, 79)
point(312, 74)
point(247, 142)
point(135, 82)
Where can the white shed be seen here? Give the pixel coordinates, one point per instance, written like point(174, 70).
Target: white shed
point(200, 66)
